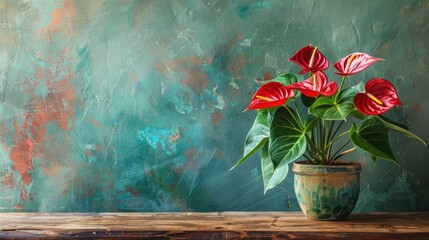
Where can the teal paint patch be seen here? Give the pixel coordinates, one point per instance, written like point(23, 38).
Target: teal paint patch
point(41, 90)
point(244, 11)
point(163, 138)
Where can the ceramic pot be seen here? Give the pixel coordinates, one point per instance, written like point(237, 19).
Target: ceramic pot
point(327, 192)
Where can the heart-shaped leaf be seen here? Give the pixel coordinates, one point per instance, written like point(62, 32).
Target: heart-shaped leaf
point(399, 128)
point(373, 137)
point(287, 138)
point(270, 176)
point(307, 101)
point(334, 107)
point(285, 79)
point(310, 122)
point(257, 136)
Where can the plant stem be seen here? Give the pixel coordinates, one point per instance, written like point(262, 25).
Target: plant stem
point(341, 148)
point(342, 83)
point(336, 130)
point(321, 123)
point(329, 131)
point(339, 136)
point(313, 146)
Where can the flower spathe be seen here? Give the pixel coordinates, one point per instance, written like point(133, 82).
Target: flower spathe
point(379, 97)
point(316, 85)
point(354, 63)
point(271, 94)
point(310, 59)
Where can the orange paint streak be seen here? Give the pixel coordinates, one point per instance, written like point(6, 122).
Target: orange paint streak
point(175, 137)
point(24, 195)
point(57, 106)
point(21, 155)
point(196, 80)
point(18, 207)
point(61, 21)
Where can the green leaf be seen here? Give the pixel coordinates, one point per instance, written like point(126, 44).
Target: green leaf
point(310, 122)
point(360, 87)
point(399, 128)
point(307, 101)
point(285, 79)
point(270, 176)
point(256, 138)
point(356, 114)
point(373, 137)
point(334, 107)
point(287, 138)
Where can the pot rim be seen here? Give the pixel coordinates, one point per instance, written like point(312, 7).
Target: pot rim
point(344, 167)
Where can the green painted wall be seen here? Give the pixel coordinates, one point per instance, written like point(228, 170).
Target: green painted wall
point(137, 105)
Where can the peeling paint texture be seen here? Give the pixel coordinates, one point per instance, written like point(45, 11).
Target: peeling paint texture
point(137, 105)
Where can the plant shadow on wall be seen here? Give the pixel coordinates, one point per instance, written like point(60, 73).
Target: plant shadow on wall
point(333, 122)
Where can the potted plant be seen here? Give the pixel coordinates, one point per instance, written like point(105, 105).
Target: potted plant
point(319, 123)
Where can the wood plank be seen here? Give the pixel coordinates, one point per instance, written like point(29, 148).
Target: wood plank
point(226, 225)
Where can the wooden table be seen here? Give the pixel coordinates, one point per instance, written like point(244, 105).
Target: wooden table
point(225, 225)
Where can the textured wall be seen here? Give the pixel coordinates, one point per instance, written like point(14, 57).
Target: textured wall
point(137, 105)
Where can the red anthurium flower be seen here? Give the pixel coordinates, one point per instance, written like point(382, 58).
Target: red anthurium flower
point(316, 85)
point(354, 63)
point(272, 94)
point(310, 59)
point(379, 97)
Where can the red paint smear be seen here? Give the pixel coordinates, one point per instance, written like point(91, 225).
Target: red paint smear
point(267, 76)
point(57, 106)
point(196, 80)
point(216, 117)
point(191, 164)
point(21, 154)
point(61, 20)
point(24, 195)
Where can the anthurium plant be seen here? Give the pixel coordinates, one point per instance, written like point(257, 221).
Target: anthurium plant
point(317, 120)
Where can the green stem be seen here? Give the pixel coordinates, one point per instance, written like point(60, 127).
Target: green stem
point(329, 131)
point(313, 146)
point(342, 83)
point(336, 130)
point(321, 139)
point(341, 148)
point(339, 136)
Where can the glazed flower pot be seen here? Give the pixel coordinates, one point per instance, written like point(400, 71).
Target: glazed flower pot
point(327, 192)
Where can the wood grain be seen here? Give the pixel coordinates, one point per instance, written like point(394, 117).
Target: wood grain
point(225, 225)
